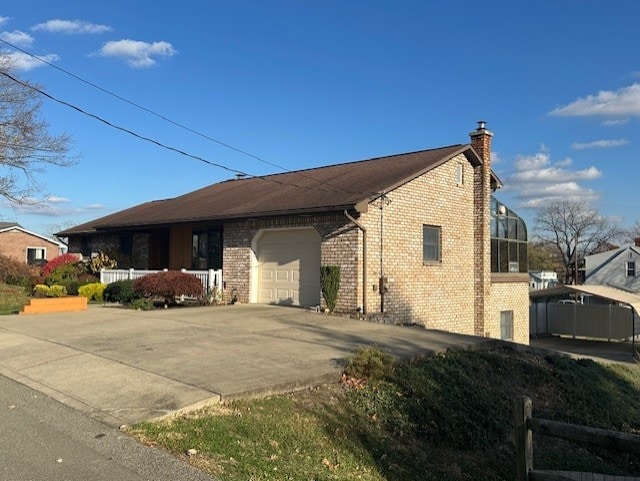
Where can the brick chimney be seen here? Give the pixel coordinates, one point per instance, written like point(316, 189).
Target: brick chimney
point(481, 144)
point(637, 241)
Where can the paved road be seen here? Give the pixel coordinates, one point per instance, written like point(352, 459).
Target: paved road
point(42, 440)
point(122, 366)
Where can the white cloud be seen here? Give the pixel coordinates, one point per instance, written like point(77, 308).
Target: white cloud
point(135, 53)
point(23, 62)
point(537, 180)
point(17, 37)
point(53, 199)
point(3, 20)
point(495, 158)
point(53, 206)
point(624, 102)
point(532, 162)
point(566, 162)
point(599, 144)
point(71, 27)
point(610, 123)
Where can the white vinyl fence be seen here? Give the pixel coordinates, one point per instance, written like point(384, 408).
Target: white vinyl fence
point(210, 279)
point(583, 320)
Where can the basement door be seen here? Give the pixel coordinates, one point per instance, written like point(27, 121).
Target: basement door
point(289, 267)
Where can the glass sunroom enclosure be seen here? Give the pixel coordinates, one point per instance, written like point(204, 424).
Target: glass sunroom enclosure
point(508, 240)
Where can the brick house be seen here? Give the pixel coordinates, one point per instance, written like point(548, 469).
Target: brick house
point(26, 246)
point(418, 237)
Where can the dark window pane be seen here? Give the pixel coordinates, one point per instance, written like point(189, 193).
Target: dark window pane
point(523, 256)
point(503, 247)
point(430, 243)
point(495, 266)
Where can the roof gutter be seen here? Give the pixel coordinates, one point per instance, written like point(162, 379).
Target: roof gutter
point(364, 260)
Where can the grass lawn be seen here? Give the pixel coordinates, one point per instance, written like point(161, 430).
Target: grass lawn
point(447, 417)
point(12, 299)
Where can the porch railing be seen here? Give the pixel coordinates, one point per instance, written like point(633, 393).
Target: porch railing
point(210, 279)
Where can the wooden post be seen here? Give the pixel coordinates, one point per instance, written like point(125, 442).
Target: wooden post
point(524, 439)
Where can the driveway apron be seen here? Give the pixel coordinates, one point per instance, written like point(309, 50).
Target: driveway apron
point(122, 366)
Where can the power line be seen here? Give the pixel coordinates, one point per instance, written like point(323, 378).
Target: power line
point(163, 145)
point(166, 119)
point(141, 107)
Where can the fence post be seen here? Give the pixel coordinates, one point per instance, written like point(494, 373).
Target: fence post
point(211, 280)
point(524, 439)
point(130, 274)
point(102, 276)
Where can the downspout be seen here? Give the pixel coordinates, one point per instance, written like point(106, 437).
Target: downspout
point(364, 260)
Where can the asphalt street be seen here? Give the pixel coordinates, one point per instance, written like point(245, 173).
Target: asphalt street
point(42, 440)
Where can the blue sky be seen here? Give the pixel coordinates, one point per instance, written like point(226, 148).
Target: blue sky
point(303, 84)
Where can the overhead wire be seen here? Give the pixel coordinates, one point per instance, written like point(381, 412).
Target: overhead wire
point(173, 122)
point(267, 178)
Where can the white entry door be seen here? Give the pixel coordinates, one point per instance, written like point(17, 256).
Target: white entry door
point(289, 267)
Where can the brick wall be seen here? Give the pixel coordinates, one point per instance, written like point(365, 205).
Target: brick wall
point(339, 246)
point(437, 295)
point(509, 295)
point(14, 244)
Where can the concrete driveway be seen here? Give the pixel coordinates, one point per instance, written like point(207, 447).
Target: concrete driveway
point(600, 351)
point(122, 366)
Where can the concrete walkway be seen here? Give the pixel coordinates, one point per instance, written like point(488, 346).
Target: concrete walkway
point(121, 366)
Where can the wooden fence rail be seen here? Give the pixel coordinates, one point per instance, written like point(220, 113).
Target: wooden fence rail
point(526, 425)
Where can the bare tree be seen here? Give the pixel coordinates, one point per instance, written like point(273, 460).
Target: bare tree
point(575, 230)
point(544, 256)
point(26, 147)
point(632, 233)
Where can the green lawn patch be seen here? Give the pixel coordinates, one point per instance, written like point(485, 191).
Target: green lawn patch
point(447, 417)
point(12, 298)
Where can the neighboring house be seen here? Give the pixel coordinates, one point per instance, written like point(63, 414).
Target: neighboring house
point(421, 225)
point(618, 268)
point(26, 246)
point(542, 279)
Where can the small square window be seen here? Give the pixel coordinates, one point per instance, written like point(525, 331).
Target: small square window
point(506, 325)
point(631, 269)
point(430, 243)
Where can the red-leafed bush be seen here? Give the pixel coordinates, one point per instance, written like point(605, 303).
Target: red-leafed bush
point(59, 261)
point(14, 272)
point(168, 285)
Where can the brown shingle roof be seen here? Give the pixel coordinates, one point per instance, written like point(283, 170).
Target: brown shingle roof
point(323, 189)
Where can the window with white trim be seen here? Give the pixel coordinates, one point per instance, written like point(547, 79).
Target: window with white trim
point(36, 255)
point(631, 268)
point(431, 243)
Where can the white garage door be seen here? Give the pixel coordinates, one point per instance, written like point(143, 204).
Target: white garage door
point(289, 267)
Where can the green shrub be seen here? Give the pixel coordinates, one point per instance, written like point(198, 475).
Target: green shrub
point(64, 273)
point(42, 290)
point(93, 291)
point(370, 363)
point(57, 291)
point(168, 285)
point(72, 287)
point(120, 291)
point(142, 304)
point(330, 285)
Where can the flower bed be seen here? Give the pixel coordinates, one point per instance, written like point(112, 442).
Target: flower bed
point(55, 304)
